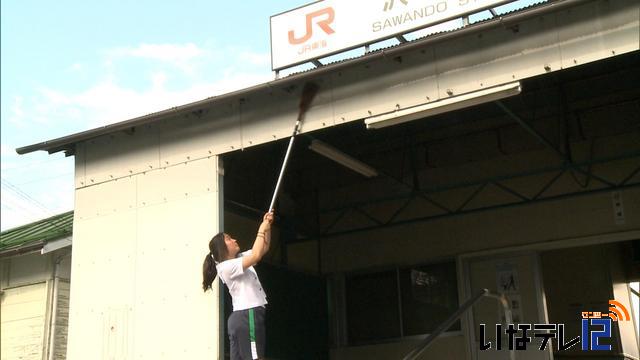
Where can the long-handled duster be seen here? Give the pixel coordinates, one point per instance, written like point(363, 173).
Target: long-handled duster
point(309, 91)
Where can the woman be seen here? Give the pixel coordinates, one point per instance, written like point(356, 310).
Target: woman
point(246, 324)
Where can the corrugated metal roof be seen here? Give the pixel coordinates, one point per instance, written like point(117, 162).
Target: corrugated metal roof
point(422, 37)
point(36, 233)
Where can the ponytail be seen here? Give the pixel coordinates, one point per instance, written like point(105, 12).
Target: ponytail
point(217, 253)
point(209, 272)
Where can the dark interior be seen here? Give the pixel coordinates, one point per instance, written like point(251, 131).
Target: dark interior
point(559, 106)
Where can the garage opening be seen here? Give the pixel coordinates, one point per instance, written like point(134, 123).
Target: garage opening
point(363, 259)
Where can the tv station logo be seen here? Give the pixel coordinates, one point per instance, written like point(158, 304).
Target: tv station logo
point(591, 319)
point(595, 329)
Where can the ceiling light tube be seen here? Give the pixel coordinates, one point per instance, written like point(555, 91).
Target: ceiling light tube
point(442, 106)
point(343, 159)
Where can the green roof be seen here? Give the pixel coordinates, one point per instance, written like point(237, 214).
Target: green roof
point(36, 233)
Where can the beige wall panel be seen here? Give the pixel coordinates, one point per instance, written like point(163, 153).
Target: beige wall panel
point(392, 83)
point(282, 105)
point(321, 113)
point(22, 322)
point(27, 269)
point(173, 183)
point(80, 169)
point(446, 347)
point(108, 198)
point(546, 43)
point(268, 117)
point(174, 319)
point(102, 278)
point(121, 154)
point(137, 268)
point(215, 131)
point(613, 39)
point(500, 55)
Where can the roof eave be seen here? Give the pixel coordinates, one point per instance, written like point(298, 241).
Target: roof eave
point(23, 249)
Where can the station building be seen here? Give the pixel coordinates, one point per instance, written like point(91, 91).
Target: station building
point(503, 155)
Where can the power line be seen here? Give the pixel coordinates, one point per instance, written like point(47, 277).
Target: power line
point(32, 164)
point(31, 200)
point(24, 195)
point(44, 179)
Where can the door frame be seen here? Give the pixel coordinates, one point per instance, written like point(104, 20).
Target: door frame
point(464, 262)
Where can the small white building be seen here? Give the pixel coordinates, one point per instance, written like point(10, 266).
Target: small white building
point(35, 269)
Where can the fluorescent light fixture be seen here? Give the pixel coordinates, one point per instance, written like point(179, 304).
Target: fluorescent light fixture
point(442, 106)
point(343, 159)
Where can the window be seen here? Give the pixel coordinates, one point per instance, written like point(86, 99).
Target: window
point(429, 296)
point(400, 302)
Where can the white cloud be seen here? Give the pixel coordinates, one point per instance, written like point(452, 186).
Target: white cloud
point(255, 58)
point(19, 209)
point(108, 102)
point(56, 113)
point(167, 52)
point(17, 106)
point(6, 150)
point(16, 116)
point(77, 67)
point(182, 56)
point(35, 187)
point(158, 79)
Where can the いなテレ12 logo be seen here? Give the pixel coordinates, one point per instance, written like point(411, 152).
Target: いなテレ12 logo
point(602, 324)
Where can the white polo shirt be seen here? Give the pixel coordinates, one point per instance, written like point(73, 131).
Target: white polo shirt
point(244, 286)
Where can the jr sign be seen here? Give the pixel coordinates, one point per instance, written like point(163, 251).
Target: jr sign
point(330, 26)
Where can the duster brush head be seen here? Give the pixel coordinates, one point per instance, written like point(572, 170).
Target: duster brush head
point(309, 92)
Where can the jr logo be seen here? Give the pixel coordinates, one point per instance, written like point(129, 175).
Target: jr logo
point(323, 24)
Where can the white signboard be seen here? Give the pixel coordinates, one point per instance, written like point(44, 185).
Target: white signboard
point(327, 27)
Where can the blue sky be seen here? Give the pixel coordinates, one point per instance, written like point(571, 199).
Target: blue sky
point(70, 65)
